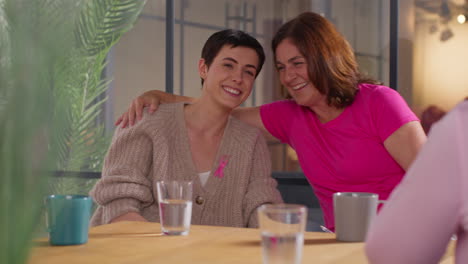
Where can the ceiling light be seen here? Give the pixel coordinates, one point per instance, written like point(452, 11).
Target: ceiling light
point(461, 18)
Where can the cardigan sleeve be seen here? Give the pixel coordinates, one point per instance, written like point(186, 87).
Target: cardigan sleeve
point(262, 187)
point(124, 186)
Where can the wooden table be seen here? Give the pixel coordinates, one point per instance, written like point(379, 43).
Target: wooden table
point(138, 242)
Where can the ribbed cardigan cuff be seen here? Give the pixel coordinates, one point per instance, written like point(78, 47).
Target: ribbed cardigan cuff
point(119, 207)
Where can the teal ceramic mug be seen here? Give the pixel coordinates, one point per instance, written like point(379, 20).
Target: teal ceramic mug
point(68, 219)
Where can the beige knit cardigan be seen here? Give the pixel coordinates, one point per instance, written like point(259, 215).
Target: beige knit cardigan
point(157, 148)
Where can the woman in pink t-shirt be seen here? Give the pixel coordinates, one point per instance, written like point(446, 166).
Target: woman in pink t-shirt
point(350, 134)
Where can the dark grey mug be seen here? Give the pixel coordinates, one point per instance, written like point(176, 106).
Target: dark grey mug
point(354, 212)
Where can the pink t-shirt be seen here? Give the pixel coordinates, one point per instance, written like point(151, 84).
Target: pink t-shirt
point(346, 154)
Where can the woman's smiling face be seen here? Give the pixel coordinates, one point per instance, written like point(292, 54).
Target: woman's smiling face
point(292, 68)
point(230, 77)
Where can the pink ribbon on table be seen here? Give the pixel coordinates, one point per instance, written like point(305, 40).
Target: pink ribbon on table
point(223, 161)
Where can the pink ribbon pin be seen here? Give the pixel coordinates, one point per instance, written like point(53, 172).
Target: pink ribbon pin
point(222, 164)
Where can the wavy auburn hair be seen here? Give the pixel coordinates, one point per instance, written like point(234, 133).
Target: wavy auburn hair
point(332, 67)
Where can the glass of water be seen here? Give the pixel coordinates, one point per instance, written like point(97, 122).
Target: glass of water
point(282, 228)
point(175, 206)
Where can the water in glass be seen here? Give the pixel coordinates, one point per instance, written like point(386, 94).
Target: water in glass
point(175, 216)
point(284, 248)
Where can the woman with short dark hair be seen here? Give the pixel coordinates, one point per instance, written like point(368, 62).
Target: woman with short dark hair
point(226, 159)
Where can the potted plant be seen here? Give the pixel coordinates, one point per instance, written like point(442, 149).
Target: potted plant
point(52, 54)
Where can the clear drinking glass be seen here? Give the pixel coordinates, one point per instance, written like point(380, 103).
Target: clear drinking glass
point(175, 206)
point(282, 229)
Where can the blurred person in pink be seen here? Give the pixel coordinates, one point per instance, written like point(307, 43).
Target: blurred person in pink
point(430, 204)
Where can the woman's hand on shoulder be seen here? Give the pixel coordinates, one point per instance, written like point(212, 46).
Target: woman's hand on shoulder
point(150, 99)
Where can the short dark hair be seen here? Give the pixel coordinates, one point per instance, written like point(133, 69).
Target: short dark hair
point(332, 67)
point(234, 38)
